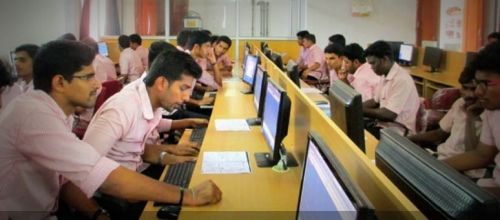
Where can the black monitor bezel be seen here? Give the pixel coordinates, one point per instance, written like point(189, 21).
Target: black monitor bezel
point(253, 78)
point(430, 58)
point(263, 90)
point(353, 109)
point(364, 207)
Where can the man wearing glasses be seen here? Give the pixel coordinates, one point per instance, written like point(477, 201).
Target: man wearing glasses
point(487, 80)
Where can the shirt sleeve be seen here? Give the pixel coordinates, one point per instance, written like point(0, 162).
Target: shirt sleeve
point(48, 143)
point(487, 132)
point(106, 129)
point(164, 125)
point(398, 95)
point(124, 63)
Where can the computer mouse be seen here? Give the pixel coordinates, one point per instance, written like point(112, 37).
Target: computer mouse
point(169, 212)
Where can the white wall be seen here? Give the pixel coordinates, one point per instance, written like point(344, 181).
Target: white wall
point(393, 20)
point(35, 21)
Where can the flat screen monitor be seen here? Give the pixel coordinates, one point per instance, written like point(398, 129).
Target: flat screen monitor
point(327, 191)
point(277, 60)
point(346, 110)
point(406, 54)
point(103, 48)
point(259, 89)
point(275, 119)
point(294, 75)
point(437, 190)
point(395, 46)
point(250, 69)
point(432, 58)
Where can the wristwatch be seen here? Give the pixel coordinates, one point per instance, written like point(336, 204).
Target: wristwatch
point(162, 156)
point(100, 211)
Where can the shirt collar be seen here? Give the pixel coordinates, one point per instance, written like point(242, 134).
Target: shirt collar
point(392, 72)
point(147, 108)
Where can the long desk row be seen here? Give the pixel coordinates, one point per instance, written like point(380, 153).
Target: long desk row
point(265, 194)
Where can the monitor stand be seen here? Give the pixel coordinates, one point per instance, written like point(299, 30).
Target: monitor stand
point(264, 160)
point(254, 121)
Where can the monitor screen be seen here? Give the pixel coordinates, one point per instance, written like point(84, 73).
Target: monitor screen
point(346, 110)
point(259, 79)
point(437, 190)
point(103, 48)
point(406, 53)
point(395, 46)
point(326, 190)
point(271, 113)
point(432, 57)
point(250, 68)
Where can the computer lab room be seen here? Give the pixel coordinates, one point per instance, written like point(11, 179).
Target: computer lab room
point(249, 109)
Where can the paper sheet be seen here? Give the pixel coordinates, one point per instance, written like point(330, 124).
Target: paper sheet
point(231, 125)
point(230, 162)
point(310, 90)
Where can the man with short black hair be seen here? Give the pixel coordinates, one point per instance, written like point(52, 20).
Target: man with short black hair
point(312, 67)
point(333, 60)
point(199, 46)
point(182, 39)
point(220, 48)
point(42, 155)
point(396, 98)
point(487, 81)
point(358, 73)
point(337, 39)
point(24, 56)
point(142, 52)
point(131, 67)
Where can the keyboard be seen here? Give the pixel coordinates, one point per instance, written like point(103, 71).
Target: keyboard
point(179, 175)
point(198, 134)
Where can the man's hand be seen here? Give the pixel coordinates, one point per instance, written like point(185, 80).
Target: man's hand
point(183, 149)
point(198, 122)
point(170, 159)
point(202, 194)
point(474, 110)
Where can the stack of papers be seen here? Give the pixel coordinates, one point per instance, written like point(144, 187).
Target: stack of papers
point(231, 125)
point(230, 162)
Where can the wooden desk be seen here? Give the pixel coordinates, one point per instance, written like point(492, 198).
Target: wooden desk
point(427, 83)
point(261, 190)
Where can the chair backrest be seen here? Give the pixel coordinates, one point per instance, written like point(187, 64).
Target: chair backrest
point(109, 88)
point(433, 109)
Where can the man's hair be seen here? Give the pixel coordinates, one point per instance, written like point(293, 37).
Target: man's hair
point(135, 38)
point(337, 39)
point(354, 52)
point(379, 49)
point(225, 39)
point(183, 37)
point(302, 34)
point(6, 78)
point(156, 48)
point(310, 37)
point(67, 36)
point(171, 65)
point(197, 37)
point(60, 57)
point(335, 49)
point(467, 74)
point(124, 41)
point(206, 31)
point(91, 43)
point(488, 58)
point(213, 39)
point(30, 49)
point(494, 35)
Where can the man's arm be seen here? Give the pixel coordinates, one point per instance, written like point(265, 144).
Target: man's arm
point(473, 113)
point(189, 123)
point(434, 136)
point(474, 159)
point(76, 199)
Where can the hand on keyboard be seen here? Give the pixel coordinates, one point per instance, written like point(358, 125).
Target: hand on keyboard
point(186, 149)
point(173, 159)
point(204, 193)
point(198, 122)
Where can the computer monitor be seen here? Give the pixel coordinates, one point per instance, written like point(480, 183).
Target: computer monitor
point(103, 48)
point(275, 119)
point(327, 191)
point(277, 60)
point(437, 190)
point(259, 89)
point(432, 58)
point(263, 46)
point(249, 74)
point(294, 75)
point(407, 54)
point(346, 110)
point(395, 46)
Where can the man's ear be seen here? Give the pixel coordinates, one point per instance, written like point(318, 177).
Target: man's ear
point(58, 83)
point(161, 83)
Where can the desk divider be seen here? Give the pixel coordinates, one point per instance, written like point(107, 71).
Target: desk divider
point(305, 116)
